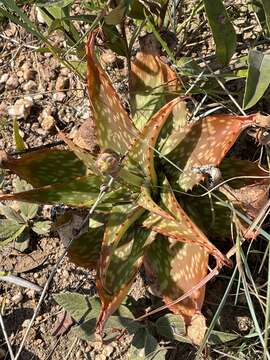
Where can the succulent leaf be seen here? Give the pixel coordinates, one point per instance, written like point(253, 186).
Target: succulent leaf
point(152, 82)
point(205, 142)
point(124, 264)
point(114, 129)
point(142, 151)
point(82, 191)
point(179, 229)
point(179, 265)
point(46, 167)
point(87, 158)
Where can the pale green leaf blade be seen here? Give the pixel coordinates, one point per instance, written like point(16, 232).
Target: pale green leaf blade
point(222, 29)
point(258, 78)
point(19, 143)
point(41, 227)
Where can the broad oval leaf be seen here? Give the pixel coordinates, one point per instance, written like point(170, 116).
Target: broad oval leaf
point(222, 29)
point(258, 78)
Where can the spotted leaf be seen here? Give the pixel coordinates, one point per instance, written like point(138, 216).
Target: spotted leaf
point(178, 229)
point(205, 142)
point(124, 264)
point(114, 128)
point(152, 82)
point(82, 191)
point(142, 152)
point(46, 167)
point(84, 155)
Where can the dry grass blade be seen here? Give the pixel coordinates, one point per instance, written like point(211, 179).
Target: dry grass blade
point(6, 337)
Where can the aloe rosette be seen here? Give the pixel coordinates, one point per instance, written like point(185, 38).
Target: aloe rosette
point(145, 219)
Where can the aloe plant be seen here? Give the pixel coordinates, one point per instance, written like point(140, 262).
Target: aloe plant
point(147, 214)
point(20, 219)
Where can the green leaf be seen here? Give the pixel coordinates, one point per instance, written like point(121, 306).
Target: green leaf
point(80, 307)
point(142, 151)
point(46, 167)
point(258, 78)
point(85, 250)
point(151, 82)
point(11, 214)
point(28, 211)
point(114, 128)
point(117, 14)
point(56, 3)
point(9, 230)
point(82, 191)
point(266, 7)
point(222, 29)
point(172, 327)
point(22, 241)
point(41, 227)
point(220, 337)
point(19, 143)
point(143, 346)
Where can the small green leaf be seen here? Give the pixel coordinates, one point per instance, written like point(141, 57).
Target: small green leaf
point(19, 143)
point(11, 214)
point(9, 230)
point(80, 307)
point(22, 241)
point(172, 327)
point(143, 346)
point(41, 227)
point(222, 29)
point(258, 78)
point(117, 14)
point(28, 211)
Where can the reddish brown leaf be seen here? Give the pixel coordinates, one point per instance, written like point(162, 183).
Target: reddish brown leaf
point(151, 81)
point(114, 128)
point(205, 142)
point(142, 151)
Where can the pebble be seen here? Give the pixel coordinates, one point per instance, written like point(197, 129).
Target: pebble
point(26, 323)
point(30, 293)
point(108, 58)
point(12, 82)
point(4, 78)
point(48, 122)
point(62, 83)
point(30, 86)
point(17, 298)
point(59, 96)
point(21, 109)
point(65, 274)
point(29, 74)
point(108, 350)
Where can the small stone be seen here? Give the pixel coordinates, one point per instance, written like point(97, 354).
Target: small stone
point(108, 350)
point(79, 354)
point(48, 123)
point(4, 78)
point(21, 109)
point(59, 96)
point(30, 293)
point(29, 74)
point(12, 82)
point(19, 73)
point(101, 357)
point(26, 323)
point(16, 299)
point(65, 274)
point(64, 71)
point(30, 86)
point(62, 83)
